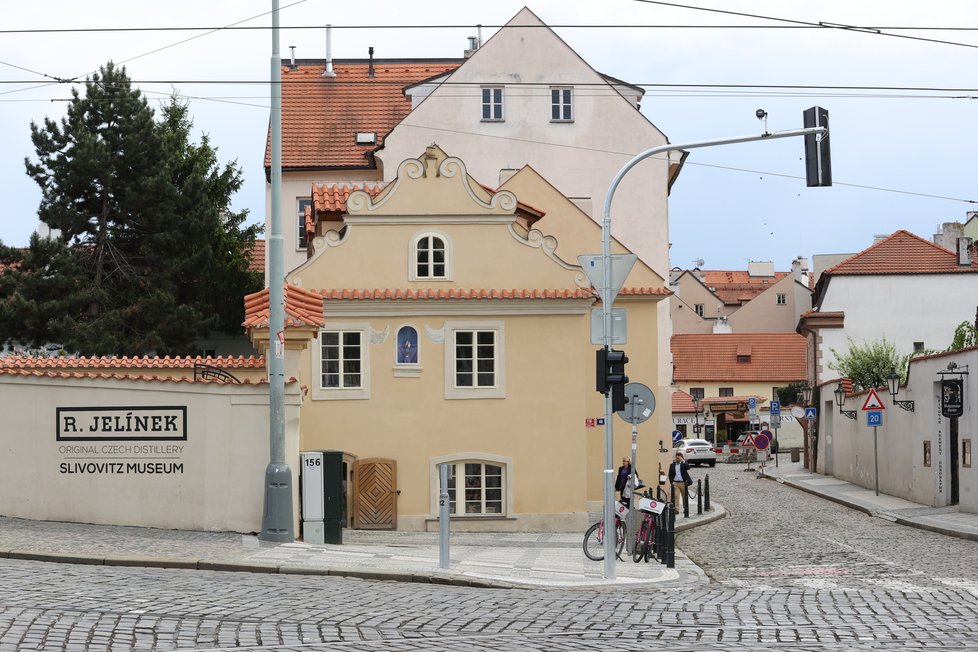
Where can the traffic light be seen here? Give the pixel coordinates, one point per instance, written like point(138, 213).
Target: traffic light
point(818, 161)
point(610, 376)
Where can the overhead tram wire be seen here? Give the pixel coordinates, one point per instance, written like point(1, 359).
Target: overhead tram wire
point(878, 31)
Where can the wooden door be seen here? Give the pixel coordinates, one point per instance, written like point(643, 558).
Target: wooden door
point(375, 494)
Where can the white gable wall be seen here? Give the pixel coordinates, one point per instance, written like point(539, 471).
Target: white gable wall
point(903, 308)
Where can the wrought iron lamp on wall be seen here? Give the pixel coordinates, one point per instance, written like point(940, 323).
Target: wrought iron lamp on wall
point(894, 381)
point(840, 399)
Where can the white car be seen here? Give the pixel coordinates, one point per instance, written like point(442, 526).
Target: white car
point(697, 451)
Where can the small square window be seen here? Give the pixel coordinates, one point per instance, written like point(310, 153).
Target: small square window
point(700, 309)
point(492, 103)
point(782, 299)
point(697, 393)
point(918, 347)
point(561, 104)
point(726, 391)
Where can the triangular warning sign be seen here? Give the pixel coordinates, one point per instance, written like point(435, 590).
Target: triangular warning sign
point(873, 401)
point(749, 440)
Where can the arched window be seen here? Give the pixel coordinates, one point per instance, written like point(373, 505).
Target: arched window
point(407, 345)
point(478, 484)
point(431, 257)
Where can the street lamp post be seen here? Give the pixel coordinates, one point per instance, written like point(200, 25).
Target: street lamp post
point(608, 297)
point(840, 399)
point(806, 400)
point(697, 428)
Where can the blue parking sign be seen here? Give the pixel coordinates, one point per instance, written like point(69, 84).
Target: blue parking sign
point(874, 418)
point(775, 407)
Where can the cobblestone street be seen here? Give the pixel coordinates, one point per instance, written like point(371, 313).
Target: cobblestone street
point(792, 572)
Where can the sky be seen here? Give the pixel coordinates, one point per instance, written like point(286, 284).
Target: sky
point(901, 105)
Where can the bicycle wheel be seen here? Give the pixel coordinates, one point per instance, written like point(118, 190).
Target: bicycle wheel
point(638, 552)
point(594, 542)
point(649, 542)
point(621, 531)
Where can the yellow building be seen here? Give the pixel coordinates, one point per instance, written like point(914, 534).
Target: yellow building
point(458, 331)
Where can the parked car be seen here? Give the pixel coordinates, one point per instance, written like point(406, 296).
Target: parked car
point(697, 451)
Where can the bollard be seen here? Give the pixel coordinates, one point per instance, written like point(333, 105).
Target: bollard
point(706, 497)
point(670, 551)
point(699, 497)
point(660, 532)
point(686, 503)
point(443, 518)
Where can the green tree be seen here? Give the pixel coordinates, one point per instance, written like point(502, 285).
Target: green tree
point(966, 334)
point(869, 364)
point(146, 241)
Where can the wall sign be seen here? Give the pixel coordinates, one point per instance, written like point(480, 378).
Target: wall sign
point(121, 440)
point(952, 397)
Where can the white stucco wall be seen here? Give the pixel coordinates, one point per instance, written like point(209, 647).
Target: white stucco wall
point(846, 445)
point(206, 476)
point(903, 308)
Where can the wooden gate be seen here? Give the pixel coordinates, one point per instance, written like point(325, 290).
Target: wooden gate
point(375, 494)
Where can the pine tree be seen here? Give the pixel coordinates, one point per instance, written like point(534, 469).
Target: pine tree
point(146, 244)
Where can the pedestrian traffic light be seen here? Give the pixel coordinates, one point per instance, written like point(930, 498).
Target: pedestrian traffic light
point(610, 376)
point(818, 161)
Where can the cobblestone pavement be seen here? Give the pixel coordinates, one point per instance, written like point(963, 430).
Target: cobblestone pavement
point(793, 572)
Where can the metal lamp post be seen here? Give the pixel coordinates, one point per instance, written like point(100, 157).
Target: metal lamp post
point(806, 400)
point(697, 428)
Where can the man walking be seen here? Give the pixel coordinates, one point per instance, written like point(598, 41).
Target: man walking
point(679, 478)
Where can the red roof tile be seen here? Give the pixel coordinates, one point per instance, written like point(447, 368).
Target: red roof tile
point(736, 287)
point(143, 362)
point(453, 293)
point(901, 253)
point(302, 308)
point(774, 357)
point(331, 198)
point(322, 115)
point(682, 402)
point(256, 256)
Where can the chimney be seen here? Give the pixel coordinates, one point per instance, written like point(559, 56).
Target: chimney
point(796, 269)
point(292, 60)
point(329, 53)
point(505, 174)
point(370, 70)
point(473, 46)
point(964, 257)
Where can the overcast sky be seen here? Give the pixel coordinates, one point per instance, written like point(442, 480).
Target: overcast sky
point(902, 159)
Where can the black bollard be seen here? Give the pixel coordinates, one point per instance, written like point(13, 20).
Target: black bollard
point(706, 497)
point(699, 497)
point(686, 503)
point(670, 552)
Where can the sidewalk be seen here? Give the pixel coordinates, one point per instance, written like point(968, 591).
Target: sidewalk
point(501, 560)
point(944, 520)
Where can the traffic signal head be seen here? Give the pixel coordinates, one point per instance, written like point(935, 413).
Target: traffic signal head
point(610, 376)
point(818, 161)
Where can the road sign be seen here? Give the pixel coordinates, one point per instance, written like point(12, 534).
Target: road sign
point(749, 440)
point(873, 401)
point(621, 265)
point(752, 406)
point(775, 408)
point(640, 403)
point(776, 421)
point(874, 418)
point(761, 441)
point(811, 413)
point(619, 326)
point(676, 436)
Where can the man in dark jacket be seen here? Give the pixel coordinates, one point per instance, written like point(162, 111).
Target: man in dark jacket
point(678, 475)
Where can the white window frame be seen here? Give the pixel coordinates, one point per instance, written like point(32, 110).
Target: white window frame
point(492, 98)
point(700, 309)
point(413, 257)
point(498, 390)
point(562, 100)
point(459, 460)
point(300, 211)
point(321, 393)
point(781, 299)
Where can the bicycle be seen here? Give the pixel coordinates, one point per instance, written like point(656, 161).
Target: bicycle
point(645, 537)
point(594, 537)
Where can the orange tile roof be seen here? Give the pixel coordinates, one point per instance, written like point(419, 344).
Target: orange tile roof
point(322, 115)
point(302, 308)
point(774, 357)
point(331, 198)
point(123, 362)
point(50, 373)
point(901, 253)
point(256, 256)
point(736, 287)
point(453, 293)
point(682, 402)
